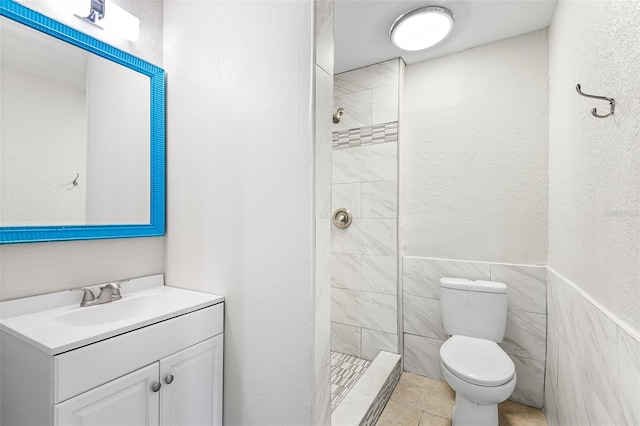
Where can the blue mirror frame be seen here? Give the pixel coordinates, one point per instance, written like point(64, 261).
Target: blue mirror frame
point(156, 227)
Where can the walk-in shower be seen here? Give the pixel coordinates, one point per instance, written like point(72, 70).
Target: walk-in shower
point(365, 362)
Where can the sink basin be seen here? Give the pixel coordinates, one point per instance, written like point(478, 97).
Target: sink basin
point(118, 310)
point(55, 323)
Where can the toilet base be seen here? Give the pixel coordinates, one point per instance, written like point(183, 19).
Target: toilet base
point(467, 413)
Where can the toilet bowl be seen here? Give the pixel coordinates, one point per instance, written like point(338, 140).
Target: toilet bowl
point(474, 314)
point(481, 374)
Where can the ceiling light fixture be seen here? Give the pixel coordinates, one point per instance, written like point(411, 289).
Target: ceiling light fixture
point(421, 28)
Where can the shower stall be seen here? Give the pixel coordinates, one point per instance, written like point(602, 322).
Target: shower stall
point(365, 325)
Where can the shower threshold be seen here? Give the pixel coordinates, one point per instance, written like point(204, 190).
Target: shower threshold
point(360, 389)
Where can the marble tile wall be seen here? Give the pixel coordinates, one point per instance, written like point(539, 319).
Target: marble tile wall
point(593, 363)
point(364, 261)
point(525, 336)
point(368, 95)
point(364, 265)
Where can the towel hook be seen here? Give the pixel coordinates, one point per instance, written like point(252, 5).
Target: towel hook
point(75, 181)
point(612, 102)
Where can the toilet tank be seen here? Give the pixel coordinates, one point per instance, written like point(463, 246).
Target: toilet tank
point(474, 308)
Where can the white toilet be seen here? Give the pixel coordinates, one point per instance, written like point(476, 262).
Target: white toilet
point(474, 314)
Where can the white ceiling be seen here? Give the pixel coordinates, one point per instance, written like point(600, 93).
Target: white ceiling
point(362, 27)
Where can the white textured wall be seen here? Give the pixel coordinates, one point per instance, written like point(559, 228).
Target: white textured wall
point(118, 160)
point(474, 153)
point(241, 214)
point(594, 168)
point(35, 268)
point(39, 162)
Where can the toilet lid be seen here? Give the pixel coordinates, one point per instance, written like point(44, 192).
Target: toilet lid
point(477, 361)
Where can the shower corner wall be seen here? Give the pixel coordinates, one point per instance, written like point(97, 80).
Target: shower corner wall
point(364, 257)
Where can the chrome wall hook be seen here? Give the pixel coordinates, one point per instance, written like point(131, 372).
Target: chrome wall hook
point(338, 115)
point(594, 112)
point(75, 181)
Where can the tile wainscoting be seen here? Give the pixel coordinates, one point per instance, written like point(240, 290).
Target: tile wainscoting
point(525, 337)
point(593, 364)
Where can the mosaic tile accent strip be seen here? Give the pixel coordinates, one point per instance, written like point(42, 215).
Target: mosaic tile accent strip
point(351, 138)
point(383, 397)
point(345, 372)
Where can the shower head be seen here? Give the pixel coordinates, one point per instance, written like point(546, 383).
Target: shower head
point(339, 113)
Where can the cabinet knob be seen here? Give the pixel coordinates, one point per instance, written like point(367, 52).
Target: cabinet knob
point(156, 386)
point(168, 379)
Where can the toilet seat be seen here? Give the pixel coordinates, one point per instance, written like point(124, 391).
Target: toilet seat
point(478, 361)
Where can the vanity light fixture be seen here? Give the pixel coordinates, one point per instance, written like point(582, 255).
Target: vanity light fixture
point(97, 11)
point(421, 28)
point(110, 17)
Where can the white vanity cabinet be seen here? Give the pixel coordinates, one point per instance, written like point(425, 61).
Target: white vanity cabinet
point(191, 392)
point(160, 366)
point(182, 389)
point(128, 400)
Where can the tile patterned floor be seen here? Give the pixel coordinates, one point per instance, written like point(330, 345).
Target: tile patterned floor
point(345, 372)
point(420, 401)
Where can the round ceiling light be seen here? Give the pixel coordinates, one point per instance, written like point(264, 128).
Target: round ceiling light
point(421, 28)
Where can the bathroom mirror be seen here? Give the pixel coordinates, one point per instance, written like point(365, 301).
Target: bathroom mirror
point(81, 135)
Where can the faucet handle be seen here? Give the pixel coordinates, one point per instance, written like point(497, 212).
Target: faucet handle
point(88, 295)
point(115, 289)
point(115, 285)
point(112, 286)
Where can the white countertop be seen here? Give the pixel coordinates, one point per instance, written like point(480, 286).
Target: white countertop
point(55, 323)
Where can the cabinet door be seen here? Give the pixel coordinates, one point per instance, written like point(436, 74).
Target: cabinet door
point(193, 396)
point(127, 401)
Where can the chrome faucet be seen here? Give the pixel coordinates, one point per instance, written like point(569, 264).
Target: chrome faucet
point(108, 293)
